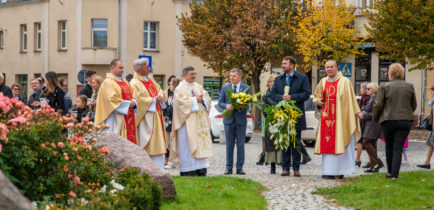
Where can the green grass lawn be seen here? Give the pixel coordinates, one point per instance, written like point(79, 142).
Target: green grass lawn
point(217, 192)
point(413, 190)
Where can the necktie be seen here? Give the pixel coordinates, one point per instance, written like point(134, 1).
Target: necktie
point(288, 80)
point(235, 89)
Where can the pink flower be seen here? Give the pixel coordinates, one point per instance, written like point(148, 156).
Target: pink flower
point(85, 120)
point(69, 176)
point(76, 179)
point(43, 146)
point(60, 145)
point(3, 132)
point(18, 120)
point(66, 157)
point(94, 140)
point(69, 125)
point(1, 147)
point(75, 149)
point(72, 194)
point(104, 150)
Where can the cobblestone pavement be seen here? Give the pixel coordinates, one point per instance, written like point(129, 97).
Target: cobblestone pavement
point(293, 192)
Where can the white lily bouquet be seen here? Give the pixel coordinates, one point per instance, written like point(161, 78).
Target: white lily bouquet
point(281, 121)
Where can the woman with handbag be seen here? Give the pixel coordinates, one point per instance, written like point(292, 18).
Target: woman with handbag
point(430, 140)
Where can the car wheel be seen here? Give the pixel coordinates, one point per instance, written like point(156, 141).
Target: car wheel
point(309, 143)
point(247, 139)
point(213, 138)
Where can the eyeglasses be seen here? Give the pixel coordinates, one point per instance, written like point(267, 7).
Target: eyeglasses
point(368, 88)
point(16, 89)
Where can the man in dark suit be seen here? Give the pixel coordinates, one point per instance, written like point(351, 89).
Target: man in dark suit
point(235, 127)
point(300, 92)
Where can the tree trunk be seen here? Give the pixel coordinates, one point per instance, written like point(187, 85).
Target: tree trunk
point(256, 83)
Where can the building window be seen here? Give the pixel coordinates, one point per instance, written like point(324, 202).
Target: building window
point(99, 32)
point(150, 36)
point(23, 45)
point(213, 85)
point(63, 35)
point(365, 3)
point(2, 39)
point(38, 37)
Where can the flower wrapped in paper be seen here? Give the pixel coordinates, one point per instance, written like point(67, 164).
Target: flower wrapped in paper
point(281, 122)
point(240, 101)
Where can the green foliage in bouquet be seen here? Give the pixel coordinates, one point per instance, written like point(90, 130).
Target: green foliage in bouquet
point(241, 101)
point(281, 121)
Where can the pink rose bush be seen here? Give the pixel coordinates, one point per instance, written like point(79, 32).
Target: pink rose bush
point(48, 156)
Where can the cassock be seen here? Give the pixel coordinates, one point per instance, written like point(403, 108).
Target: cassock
point(338, 125)
point(191, 143)
point(151, 132)
point(113, 107)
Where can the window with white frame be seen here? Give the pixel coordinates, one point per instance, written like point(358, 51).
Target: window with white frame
point(2, 39)
point(150, 36)
point(63, 35)
point(365, 3)
point(38, 37)
point(23, 42)
point(99, 32)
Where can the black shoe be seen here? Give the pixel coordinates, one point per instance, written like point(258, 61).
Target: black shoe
point(427, 166)
point(305, 160)
point(241, 172)
point(340, 176)
point(367, 165)
point(377, 169)
point(201, 172)
point(358, 163)
point(370, 170)
point(328, 177)
point(273, 168)
point(228, 171)
point(261, 159)
point(189, 173)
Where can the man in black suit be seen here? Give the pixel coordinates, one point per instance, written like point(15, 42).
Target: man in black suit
point(300, 92)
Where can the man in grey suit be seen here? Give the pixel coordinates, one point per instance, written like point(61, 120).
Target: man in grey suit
point(235, 127)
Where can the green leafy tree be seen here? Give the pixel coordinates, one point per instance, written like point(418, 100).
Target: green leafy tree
point(246, 34)
point(325, 31)
point(404, 29)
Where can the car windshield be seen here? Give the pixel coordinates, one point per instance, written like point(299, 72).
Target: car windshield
point(308, 105)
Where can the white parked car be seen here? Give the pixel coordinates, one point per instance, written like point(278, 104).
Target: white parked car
point(217, 126)
point(309, 135)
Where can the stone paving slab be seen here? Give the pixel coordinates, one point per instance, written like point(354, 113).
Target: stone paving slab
point(294, 192)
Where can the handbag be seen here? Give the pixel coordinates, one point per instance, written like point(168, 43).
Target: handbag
point(425, 123)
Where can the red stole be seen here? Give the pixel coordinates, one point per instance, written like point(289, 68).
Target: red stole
point(130, 123)
point(328, 118)
point(152, 90)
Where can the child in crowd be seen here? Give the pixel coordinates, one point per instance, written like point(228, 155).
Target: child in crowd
point(82, 107)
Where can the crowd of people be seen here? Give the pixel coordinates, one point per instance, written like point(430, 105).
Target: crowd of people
point(173, 125)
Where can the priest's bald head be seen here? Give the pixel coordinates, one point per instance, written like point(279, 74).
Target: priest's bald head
point(189, 74)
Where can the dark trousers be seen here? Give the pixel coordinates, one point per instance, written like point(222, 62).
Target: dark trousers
point(235, 134)
point(395, 132)
point(370, 146)
point(294, 152)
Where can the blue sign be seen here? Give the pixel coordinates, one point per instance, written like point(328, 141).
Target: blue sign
point(345, 68)
point(149, 59)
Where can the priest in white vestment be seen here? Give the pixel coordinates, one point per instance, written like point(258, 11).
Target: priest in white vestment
point(191, 139)
point(339, 126)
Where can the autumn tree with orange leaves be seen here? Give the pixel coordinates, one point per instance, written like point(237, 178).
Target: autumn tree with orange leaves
point(246, 34)
point(325, 31)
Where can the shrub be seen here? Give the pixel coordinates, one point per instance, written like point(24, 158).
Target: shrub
point(39, 158)
point(141, 190)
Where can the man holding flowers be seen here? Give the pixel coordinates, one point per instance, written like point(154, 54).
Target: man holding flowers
point(299, 91)
point(235, 123)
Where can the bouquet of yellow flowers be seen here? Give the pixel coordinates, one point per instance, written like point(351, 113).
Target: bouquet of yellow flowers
point(240, 101)
point(281, 121)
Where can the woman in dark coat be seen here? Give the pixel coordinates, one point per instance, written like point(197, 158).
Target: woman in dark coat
point(272, 155)
point(362, 104)
point(372, 130)
point(54, 93)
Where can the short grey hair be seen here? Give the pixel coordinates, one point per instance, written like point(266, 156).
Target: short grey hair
point(138, 63)
point(237, 70)
point(187, 69)
point(363, 85)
